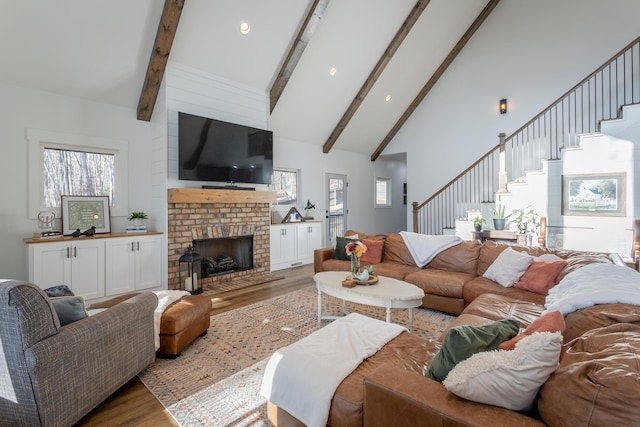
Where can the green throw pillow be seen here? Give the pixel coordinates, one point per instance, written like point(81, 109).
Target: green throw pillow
point(69, 309)
point(340, 252)
point(461, 342)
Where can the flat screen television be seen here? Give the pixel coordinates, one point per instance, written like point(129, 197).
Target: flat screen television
point(217, 151)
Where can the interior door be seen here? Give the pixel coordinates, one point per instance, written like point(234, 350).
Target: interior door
point(336, 213)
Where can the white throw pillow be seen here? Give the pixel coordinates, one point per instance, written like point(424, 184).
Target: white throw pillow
point(507, 378)
point(508, 267)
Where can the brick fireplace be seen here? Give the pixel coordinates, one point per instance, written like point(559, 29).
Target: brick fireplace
point(198, 214)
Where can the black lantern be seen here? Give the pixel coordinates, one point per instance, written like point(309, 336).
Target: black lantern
point(190, 271)
point(503, 106)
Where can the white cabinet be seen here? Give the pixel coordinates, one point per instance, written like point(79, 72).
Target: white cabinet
point(77, 264)
point(293, 244)
point(98, 267)
point(132, 264)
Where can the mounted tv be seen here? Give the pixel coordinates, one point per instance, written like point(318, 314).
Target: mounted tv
point(213, 150)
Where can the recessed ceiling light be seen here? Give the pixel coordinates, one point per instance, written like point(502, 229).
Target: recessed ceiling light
point(387, 98)
point(333, 71)
point(245, 27)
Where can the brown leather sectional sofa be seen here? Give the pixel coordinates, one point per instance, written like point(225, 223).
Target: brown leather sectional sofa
point(597, 382)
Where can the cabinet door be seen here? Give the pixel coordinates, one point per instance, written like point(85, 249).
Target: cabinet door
point(50, 264)
point(283, 246)
point(309, 239)
point(148, 273)
point(120, 266)
point(87, 268)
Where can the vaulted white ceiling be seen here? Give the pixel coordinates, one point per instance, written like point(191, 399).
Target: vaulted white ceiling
point(99, 50)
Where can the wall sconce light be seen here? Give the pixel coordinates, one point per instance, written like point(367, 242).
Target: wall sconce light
point(503, 106)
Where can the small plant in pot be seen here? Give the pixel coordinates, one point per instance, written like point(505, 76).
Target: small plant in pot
point(478, 222)
point(499, 218)
point(525, 220)
point(138, 217)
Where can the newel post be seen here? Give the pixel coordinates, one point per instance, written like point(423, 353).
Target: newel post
point(502, 173)
point(415, 216)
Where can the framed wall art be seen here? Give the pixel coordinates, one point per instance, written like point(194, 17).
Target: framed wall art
point(594, 194)
point(83, 212)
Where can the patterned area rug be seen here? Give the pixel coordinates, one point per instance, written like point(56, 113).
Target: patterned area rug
point(240, 282)
point(216, 381)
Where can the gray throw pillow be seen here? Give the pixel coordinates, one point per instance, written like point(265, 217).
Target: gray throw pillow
point(58, 291)
point(461, 342)
point(69, 309)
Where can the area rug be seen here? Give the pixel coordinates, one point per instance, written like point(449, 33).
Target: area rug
point(239, 283)
point(217, 379)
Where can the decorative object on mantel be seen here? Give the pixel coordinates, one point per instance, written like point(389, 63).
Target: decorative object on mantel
point(292, 216)
point(190, 271)
point(307, 208)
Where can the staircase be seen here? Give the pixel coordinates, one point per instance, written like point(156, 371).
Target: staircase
point(538, 147)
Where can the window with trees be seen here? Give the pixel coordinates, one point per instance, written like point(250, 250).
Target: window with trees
point(286, 186)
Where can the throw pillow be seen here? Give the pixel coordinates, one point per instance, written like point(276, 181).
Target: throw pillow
point(463, 341)
point(508, 267)
point(552, 321)
point(374, 251)
point(58, 291)
point(541, 276)
point(69, 309)
point(340, 252)
point(510, 379)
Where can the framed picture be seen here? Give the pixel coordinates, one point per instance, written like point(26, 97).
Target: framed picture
point(83, 212)
point(292, 216)
point(594, 194)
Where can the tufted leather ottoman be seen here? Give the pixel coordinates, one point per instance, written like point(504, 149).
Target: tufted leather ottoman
point(182, 322)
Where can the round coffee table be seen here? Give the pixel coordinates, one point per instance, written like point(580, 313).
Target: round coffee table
point(388, 293)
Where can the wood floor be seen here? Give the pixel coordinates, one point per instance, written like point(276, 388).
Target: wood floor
point(133, 405)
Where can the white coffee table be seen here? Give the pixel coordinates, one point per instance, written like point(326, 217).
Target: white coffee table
point(388, 293)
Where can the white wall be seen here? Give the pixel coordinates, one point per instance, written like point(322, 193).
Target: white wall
point(531, 61)
point(22, 108)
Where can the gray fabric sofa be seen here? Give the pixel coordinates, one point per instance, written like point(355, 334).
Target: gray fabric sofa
point(52, 375)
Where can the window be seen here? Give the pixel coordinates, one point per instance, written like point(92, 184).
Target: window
point(286, 186)
point(77, 173)
point(383, 192)
point(75, 165)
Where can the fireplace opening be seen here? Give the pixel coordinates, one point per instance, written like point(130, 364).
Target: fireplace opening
point(225, 255)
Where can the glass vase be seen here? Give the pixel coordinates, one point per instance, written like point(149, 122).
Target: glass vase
point(355, 265)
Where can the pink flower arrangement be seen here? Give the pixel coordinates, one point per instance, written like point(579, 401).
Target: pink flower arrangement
point(356, 247)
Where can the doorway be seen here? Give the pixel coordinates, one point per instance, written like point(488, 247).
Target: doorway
point(336, 213)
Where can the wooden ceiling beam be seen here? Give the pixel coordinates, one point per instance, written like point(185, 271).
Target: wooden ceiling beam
point(159, 57)
point(436, 76)
point(311, 21)
point(396, 42)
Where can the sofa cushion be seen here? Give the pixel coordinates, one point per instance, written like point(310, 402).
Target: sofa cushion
point(462, 341)
point(599, 316)
point(59, 291)
point(510, 379)
point(490, 250)
point(508, 267)
point(480, 286)
point(395, 250)
point(597, 381)
point(69, 309)
point(461, 258)
point(395, 270)
point(439, 282)
point(373, 255)
point(578, 259)
point(541, 276)
point(548, 322)
point(496, 307)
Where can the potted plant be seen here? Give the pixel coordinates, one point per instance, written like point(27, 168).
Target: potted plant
point(499, 218)
point(478, 222)
point(525, 220)
point(138, 217)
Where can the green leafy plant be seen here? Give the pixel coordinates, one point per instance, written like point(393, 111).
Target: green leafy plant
point(479, 221)
point(525, 220)
point(137, 215)
point(498, 212)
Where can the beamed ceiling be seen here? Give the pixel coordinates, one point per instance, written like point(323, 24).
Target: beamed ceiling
point(116, 52)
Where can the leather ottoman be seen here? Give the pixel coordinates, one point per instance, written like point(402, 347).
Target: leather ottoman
point(182, 322)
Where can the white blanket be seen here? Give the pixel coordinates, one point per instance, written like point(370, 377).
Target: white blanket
point(424, 247)
point(165, 299)
point(302, 378)
point(593, 284)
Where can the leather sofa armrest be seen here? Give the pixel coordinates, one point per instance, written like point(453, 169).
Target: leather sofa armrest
point(394, 396)
point(319, 256)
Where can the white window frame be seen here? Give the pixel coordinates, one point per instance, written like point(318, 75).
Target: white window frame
point(298, 172)
point(375, 192)
point(39, 140)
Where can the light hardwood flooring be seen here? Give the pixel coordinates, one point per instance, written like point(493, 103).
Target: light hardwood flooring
point(133, 405)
